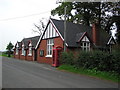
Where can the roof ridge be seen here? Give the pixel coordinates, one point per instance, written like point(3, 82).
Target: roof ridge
point(70, 22)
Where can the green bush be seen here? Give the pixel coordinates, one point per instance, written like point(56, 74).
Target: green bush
point(82, 60)
point(67, 58)
point(98, 60)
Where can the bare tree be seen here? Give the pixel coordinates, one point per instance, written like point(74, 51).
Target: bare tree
point(39, 27)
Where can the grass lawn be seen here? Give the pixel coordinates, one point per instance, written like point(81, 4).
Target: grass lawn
point(5, 55)
point(103, 75)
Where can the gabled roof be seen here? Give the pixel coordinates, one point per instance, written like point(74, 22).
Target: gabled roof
point(111, 41)
point(26, 41)
point(79, 36)
point(74, 32)
point(19, 45)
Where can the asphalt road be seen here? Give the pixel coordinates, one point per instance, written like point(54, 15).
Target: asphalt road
point(25, 74)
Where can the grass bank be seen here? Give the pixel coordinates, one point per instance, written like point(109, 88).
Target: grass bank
point(99, 74)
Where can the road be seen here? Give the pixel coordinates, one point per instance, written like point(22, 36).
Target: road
point(25, 74)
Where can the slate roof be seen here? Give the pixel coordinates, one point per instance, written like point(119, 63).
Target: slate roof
point(19, 44)
point(33, 40)
point(75, 31)
point(79, 35)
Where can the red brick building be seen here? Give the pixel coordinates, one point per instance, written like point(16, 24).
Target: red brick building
point(25, 49)
point(78, 37)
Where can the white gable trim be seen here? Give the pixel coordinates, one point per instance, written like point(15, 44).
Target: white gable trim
point(39, 41)
point(56, 29)
point(30, 44)
point(46, 29)
point(41, 35)
point(50, 32)
point(85, 38)
point(110, 40)
point(17, 45)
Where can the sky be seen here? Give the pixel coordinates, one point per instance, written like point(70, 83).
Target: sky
point(17, 18)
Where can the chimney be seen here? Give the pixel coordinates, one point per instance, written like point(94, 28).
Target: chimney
point(95, 33)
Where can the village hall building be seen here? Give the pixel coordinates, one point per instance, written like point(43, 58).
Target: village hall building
point(78, 37)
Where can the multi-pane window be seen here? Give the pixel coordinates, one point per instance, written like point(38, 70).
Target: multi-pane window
point(50, 44)
point(85, 46)
point(23, 50)
point(30, 50)
point(16, 50)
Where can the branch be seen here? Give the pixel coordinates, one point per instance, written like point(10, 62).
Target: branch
point(36, 31)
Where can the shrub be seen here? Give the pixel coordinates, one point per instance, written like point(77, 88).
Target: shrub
point(82, 60)
point(98, 60)
point(67, 58)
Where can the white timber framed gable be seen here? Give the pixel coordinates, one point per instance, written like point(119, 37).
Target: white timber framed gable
point(49, 35)
point(50, 32)
point(85, 43)
point(111, 41)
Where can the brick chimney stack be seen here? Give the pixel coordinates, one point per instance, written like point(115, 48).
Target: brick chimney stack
point(95, 33)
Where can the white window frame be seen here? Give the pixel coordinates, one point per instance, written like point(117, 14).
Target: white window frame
point(30, 50)
point(16, 51)
point(23, 50)
point(85, 46)
point(50, 43)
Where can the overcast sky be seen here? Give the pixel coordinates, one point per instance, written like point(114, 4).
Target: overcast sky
point(18, 16)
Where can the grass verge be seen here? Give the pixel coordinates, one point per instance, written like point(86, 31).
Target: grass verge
point(5, 55)
point(99, 74)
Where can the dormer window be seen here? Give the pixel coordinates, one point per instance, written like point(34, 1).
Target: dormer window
point(30, 50)
point(23, 50)
point(85, 44)
point(16, 50)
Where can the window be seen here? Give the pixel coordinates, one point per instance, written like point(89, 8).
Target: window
point(50, 44)
point(16, 50)
point(85, 46)
point(23, 51)
point(41, 53)
point(30, 50)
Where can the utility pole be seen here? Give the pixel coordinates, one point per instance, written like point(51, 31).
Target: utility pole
point(65, 28)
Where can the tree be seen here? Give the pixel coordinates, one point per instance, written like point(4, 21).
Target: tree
point(105, 13)
point(39, 28)
point(87, 11)
point(9, 49)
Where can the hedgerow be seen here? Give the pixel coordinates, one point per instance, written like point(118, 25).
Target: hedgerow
point(98, 60)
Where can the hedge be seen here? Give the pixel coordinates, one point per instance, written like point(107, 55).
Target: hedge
point(98, 60)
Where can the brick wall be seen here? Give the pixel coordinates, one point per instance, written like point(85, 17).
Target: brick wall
point(22, 57)
point(16, 56)
point(28, 57)
point(43, 46)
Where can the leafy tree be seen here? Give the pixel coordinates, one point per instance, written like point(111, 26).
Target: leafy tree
point(105, 13)
point(9, 48)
